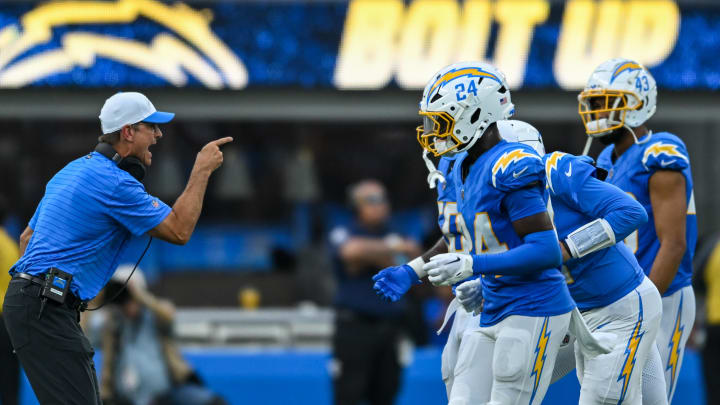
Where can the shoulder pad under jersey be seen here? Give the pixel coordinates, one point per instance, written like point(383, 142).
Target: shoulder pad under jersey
point(567, 173)
point(517, 166)
point(665, 152)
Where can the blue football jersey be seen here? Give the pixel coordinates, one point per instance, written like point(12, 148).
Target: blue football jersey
point(602, 277)
point(631, 172)
point(449, 220)
point(488, 229)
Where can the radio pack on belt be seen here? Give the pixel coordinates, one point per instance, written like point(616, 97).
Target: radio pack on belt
point(57, 284)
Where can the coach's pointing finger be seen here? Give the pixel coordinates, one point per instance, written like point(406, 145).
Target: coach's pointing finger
point(210, 157)
point(223, 141)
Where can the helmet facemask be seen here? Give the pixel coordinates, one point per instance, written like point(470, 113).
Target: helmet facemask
point(604, 111)
point(436, 133)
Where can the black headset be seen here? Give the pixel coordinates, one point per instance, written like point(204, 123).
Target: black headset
point(130, 164)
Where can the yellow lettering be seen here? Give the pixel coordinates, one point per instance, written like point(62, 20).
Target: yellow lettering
point(578, 50)
point(652, 28)
point(475, 30)
point(428, 41)
point(367, 48)
point(592, 32)
point(517, 19)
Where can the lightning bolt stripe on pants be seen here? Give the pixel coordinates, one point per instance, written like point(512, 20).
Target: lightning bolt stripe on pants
point(540, 355)
point(631, 352)
point(675, 347)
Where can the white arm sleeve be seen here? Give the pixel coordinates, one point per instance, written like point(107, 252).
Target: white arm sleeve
point(589, 238)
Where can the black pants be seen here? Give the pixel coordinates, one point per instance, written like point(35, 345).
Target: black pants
point(56, 355)
point(366, 352)
point(9, 369)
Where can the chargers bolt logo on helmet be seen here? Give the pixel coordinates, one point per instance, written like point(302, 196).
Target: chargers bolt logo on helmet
point(620, 93)
point(459, 104)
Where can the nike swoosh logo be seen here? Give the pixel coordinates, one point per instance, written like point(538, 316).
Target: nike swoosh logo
point(457, 259)
point(666, 162)
point(518, 174)
point(569, 172)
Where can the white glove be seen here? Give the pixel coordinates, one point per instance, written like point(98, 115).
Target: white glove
point(470, 296)
point(448, 268)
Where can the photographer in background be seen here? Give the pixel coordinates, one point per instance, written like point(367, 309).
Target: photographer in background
point(142, 364)
point(366, 363)
point(9, 366)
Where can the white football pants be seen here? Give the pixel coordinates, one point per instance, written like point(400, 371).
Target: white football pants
point(677, 322)
point(508, 363)
point(628, 325)
point(462, 321)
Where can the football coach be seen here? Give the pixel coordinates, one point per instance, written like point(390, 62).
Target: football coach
point(72, 244)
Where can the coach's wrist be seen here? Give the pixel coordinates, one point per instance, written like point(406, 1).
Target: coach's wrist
point(201, 170)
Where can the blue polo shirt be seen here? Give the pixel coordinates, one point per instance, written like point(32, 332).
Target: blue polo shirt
point(83, 223)
point(355, 291)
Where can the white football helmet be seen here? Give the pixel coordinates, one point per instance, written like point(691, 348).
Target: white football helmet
point(459, 103)
point(522, 132)
point(620, 93)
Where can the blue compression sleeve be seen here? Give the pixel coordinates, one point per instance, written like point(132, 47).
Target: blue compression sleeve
point(602, 200)
point(540, 251)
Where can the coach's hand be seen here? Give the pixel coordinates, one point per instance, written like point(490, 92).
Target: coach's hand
point(393, 282)
point(448, 268)
point(210, 156)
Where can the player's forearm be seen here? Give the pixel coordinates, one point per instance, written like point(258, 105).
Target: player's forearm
point(188, 206)
point(539, 251)
point(417, 263)
point(626, 218)
point(439, 247)
point(602, 200)
point(666, 264)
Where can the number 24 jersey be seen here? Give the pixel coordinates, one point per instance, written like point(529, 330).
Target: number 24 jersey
point(474, 220)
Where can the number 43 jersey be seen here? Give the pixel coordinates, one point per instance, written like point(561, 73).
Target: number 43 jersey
point(475, 219)
point(631, 172)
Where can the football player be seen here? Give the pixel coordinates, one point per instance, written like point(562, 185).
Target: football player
point(501, 231)
point(618, 302)
point(654, 168)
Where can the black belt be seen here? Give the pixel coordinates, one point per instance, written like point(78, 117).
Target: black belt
point(71, 301)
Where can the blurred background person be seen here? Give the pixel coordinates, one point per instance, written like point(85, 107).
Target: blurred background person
point(9, 365)
point(706, 280)
point(142, 363)
point(367, 330)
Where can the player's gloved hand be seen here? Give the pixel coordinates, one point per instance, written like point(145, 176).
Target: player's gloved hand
point(469, 294)
point(448, 268)
point(393, 282)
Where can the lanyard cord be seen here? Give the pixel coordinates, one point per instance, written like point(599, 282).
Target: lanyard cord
point(126, 281)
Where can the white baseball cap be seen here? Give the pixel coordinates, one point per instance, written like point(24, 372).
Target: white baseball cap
point(130, 108)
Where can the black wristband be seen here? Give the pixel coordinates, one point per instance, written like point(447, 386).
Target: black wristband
point(567, 248)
